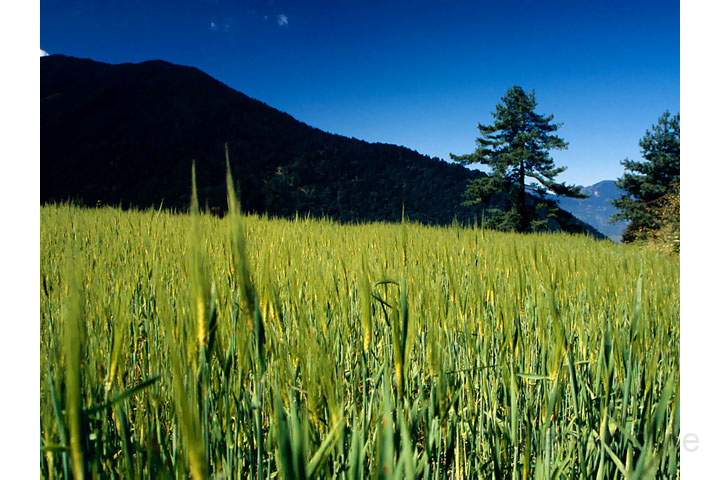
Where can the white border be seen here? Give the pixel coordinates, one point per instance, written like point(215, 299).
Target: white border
point(20, 237)
point(700, 289)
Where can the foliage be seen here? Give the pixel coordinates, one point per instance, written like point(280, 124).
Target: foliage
point(649, 181)
point(666, 210)
point(243, 347)
point(516, 147)
point(668, 235)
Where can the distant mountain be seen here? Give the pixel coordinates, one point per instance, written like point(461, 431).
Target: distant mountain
point(597, 209)
point(128, 133)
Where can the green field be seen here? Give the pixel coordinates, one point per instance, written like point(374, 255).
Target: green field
point(245, 347)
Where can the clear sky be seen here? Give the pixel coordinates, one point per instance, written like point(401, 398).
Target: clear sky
point(417, 73)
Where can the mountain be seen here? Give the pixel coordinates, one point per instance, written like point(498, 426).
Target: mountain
point(597, 209)
point(127, 134)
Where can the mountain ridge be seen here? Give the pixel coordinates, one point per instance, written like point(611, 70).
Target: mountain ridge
point(597, 210)
point(128, 134)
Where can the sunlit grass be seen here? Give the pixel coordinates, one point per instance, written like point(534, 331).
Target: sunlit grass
point(243, 347)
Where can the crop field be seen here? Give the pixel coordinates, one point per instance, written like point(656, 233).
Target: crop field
point(188, 345)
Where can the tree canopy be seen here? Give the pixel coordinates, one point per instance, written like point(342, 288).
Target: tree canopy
point(516, 147)
point(652, 181)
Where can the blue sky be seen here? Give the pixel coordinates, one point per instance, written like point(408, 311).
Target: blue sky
point(421, 73)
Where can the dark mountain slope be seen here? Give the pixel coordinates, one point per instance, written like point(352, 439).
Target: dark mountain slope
point(128, 133)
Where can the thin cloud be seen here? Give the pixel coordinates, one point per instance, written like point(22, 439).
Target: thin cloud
point(282, 20)
point(221, 25)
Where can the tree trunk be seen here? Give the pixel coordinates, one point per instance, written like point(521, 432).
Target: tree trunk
point(521, 208)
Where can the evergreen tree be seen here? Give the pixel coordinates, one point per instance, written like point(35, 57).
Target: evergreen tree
point(516, 147)
point(650, 181)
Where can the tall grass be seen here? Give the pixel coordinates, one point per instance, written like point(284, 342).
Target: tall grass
point(179, 345)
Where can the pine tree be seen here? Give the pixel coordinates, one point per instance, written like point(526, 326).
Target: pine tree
point(650, 181)
point(516, 147)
